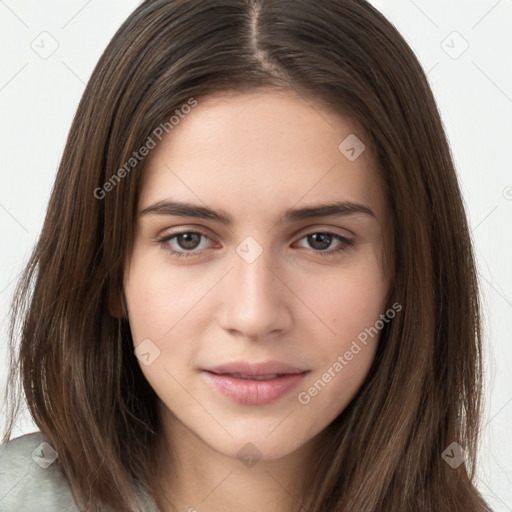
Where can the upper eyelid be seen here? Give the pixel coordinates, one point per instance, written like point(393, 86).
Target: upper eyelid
point(302, 231)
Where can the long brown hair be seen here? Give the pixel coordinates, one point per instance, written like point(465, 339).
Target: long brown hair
point(82, 382)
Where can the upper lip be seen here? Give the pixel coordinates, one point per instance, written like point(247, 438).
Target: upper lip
point(255, 369)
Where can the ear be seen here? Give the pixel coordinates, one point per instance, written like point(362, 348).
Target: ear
point(116, 304)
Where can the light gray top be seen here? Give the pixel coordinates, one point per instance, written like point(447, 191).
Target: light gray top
point(30, 482)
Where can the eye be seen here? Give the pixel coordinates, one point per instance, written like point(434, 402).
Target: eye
point(321, 240)
point(188, 243)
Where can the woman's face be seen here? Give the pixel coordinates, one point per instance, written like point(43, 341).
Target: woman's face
point(255, 334)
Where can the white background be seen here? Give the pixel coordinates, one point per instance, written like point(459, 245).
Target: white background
point(38, 98)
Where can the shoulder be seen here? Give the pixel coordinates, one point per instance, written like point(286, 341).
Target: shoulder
point(30, 480)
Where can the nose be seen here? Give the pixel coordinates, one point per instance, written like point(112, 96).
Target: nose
point(255, 302)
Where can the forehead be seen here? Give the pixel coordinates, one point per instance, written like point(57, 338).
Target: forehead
point(260, 152)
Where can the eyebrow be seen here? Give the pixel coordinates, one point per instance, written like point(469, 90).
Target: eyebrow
point(185, 209)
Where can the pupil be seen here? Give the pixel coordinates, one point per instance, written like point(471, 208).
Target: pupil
point(191, 240)
point(325, 240)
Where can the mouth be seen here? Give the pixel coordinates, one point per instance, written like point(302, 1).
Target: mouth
point(253, 377)
point(254, 383)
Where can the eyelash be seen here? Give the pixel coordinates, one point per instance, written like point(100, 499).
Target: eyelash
point(345, 244)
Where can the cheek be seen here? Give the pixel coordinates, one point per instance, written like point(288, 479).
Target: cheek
point(159, 297)
point(347, 300)
point(350, 302)
point(161, 301)
point(331, 389)
point(167, 311)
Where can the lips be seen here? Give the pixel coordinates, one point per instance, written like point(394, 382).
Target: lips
point(247, 369)
point(254, 377)
point(254, 383)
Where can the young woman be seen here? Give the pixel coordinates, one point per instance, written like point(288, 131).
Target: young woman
point(255, 287)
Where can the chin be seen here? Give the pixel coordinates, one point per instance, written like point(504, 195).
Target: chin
point(256, 444)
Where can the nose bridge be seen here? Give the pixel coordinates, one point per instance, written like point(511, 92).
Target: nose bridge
point(254, 302)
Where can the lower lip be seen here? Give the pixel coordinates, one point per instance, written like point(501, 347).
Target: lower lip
point(251, 391)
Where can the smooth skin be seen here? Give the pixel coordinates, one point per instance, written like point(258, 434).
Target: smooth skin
point(253, 156)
